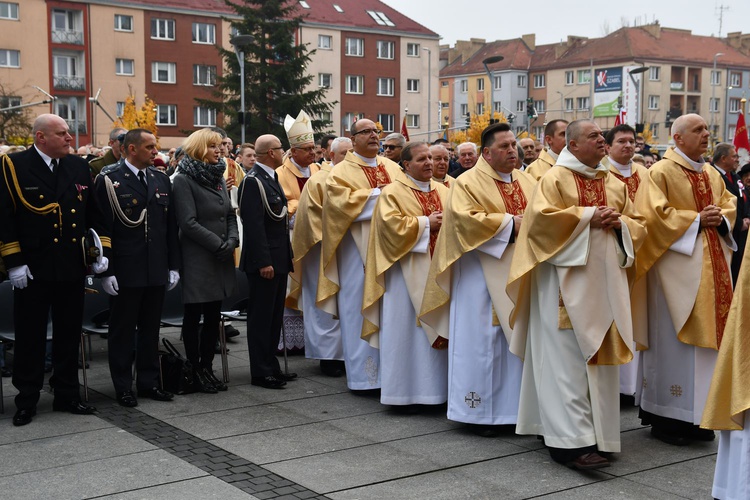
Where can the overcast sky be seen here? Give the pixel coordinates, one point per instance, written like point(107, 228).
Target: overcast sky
point(553, 21)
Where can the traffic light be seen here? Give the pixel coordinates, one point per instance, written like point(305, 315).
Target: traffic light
point(619, 101)
point(511, 117)
point(530, 112)
point(468, 120)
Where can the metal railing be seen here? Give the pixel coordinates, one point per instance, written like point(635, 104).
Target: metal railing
point(72, 126)
point(64, 82)
point(72, 37)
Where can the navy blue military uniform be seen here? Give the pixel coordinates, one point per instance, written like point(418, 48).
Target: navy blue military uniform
point(265, 243)
point(141, 259)
point(43, 217)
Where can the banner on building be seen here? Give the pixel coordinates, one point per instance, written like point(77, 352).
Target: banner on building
point(607, 89)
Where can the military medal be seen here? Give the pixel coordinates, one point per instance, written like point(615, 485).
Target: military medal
point(135, 202)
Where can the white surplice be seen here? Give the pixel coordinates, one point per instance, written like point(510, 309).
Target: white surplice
point(322, 330)
point(732, 474)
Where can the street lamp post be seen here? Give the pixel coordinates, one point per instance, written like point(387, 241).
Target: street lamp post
point(562, 111)
point(713, 100)
point(638, 103)
point(429, 90)
point(486, 62)
point(238, 41)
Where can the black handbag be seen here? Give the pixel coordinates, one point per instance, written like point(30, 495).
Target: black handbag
point(176, 370)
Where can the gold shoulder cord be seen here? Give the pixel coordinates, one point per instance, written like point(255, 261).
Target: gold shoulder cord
point(117, 210)
point(46, 209)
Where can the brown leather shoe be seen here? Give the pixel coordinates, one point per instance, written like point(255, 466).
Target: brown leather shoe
point(589, 461)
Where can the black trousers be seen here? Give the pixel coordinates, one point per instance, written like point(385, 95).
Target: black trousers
point(200, 343)
point(265, 312)
point(32, 307)
point(135, 312)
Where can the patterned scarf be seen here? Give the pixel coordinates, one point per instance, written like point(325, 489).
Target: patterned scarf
point(205, 174)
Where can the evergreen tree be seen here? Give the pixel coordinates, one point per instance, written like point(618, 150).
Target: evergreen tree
point(275, 72)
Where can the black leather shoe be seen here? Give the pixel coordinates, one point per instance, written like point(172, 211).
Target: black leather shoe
point(230, 331)
point(155, 393)
point(589, 461)
point(669, 438)
point(23, 417)
point(332, 368)
point(286, 377)
point(699, 434)
point(75, 407)
point(217, 383)
point(202, 383)
point(269, 382)
point(127, 399)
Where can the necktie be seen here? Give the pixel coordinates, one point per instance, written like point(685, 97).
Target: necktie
point(142, 178)
point(53, 164)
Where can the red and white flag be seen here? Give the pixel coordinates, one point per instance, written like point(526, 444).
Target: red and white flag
point(741, 142)
point(404, 131)
point(620, 118)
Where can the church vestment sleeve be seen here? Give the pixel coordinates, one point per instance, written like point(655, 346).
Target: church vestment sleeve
point(422, 245)
point(366, 213)
point(496, 245)
point(685, 244)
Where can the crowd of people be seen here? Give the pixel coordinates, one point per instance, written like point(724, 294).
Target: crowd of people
point(521, 284)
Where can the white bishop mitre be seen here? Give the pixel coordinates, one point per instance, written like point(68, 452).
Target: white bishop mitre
point(299, 131)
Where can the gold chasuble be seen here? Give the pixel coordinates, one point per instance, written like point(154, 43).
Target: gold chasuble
point(308, 228)
point(698, 290)
point(348, 187)
point(541, 165)
point(446, 181)
point(397, 225)
point(480, 205)
point(292, 180)
point(594, 292)
point(729, 396)
point(638, 289)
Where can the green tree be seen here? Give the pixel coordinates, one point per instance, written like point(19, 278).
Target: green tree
point(276, 77)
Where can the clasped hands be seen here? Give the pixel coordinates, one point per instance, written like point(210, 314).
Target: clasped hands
point(711, 216)
point(606, 218)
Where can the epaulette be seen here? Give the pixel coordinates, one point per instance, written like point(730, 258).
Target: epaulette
point(154, 169)
point(109, 168)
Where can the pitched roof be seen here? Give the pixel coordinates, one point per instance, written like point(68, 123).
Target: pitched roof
point(515, 53)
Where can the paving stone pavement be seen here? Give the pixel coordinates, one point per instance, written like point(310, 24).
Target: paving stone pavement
point(315, 439)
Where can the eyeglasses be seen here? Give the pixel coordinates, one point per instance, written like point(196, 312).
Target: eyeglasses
point(451, 149)
point(268, 150)
point(366, 131)
point(389, 147)
point(121, 138)
point(308, 149)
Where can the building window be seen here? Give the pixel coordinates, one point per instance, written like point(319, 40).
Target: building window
point(713, 105)
point(350, 118)
point(204, 117)
point(568, 104)
point(735, 79)
point(583, 103)
point(521, 106)
point(304, 4)
point(324, 80)
point(166, 114)
point(355, 47)
point(654, 73)
point(716, 77)
point(163, 72)
point(538, 131)
point(539, 81)
point(412, 85)
point(731, 130)
point(480, 84)
point(204, 33)
point(119, 108)
point(584, 76)
point(498, 82)
point(653, 102)
point(569, 78)
point(412, 121)
point(464, 86)
point(355, 85)
point(539, 106)
point(123, 22)
point(387, 122)
point(66, 26)
point(204, 75)
point(734, 106)
point(9, 11)
point(338, 8)
point(444, 83)
point(464, 109)
point(10, 101)
point(480, 108)
point(66, 71)
point(124, 67)
point(380, 18)
point(385, 86)
point(498, 107)
point(10, 58)
point(521, 81)
point(325, 42)
point(385, 50)
point(326, 117)
point(162, 29)
point(412, 49)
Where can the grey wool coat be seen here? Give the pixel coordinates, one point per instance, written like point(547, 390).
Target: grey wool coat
point(206, 219)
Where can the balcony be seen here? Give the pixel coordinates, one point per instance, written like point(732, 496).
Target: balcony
point(72, 126)
point(676, 86)
point(64, 82)
point(72, 37)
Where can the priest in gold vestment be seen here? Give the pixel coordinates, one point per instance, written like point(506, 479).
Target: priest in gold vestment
point(465, 299)
point(689, 214)
point(572, 322)
point(405, 226)
point(299, 166)
point(554, 138)
point(352, 189)
point(322, 330)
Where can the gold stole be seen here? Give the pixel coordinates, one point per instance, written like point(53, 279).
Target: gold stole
point(430, 202)
point(377, 176)
point(631, 182)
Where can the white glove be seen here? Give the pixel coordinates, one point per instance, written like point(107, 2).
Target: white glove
point(174, 278)
point(291, 221)
point(109, 283)
point(100, 265)
point(20, 276)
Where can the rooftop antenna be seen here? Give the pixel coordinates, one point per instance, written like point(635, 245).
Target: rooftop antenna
point(720, 12)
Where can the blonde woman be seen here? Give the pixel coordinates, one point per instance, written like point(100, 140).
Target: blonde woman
point(208, 237)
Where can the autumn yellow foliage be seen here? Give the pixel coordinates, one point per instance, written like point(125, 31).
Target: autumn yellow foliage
point(138, 117)
point(477, 125)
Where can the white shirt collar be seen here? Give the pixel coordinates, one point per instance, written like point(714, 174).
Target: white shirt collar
point(423, 186)
point(47, 159)
point(267, 169)
point(553, 154)
point(506, 177)
point(625, 170)
point(134, 169)
point(305, 171)
point(697, 166)
point(721, 170)
point(372, 162)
